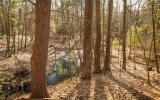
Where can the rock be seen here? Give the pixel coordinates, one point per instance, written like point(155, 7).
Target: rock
point(21, 72)
point(52, 79)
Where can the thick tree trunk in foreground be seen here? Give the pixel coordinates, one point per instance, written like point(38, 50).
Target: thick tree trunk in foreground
point(97, 55)
point(108, 40)
point(40, 49)
point(124, 34)
point(87, 44)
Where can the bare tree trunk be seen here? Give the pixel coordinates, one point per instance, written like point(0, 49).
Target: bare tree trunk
point(25, 26)
point(7, 25)
point(154, 35)
point(147, 62)
point(19, 30)
point(130, 45)
point(97, 55)
point(40, 49)
point(81, 32)
point(124, 34)
point(87, 45)
point(13, 37)
point(103, 37)
point(108, 40)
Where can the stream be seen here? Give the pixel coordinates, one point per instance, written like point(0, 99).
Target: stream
point(63, 70)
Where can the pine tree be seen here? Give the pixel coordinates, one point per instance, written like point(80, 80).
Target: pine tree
point(40, 49)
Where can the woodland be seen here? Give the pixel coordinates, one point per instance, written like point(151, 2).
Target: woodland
point(79, 49)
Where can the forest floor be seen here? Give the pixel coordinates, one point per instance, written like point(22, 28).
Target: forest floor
point(120, 85)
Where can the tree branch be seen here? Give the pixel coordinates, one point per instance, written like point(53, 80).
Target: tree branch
point(31, 2)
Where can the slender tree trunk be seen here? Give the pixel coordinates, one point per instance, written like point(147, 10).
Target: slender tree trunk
point(7, 24)
point(154, 35)
point(104, 31)
point(40, 49)
point(22, 36)
point(25, 26)
point(19, 30)
point(108, 40)
point(87, 45)
point(97, 65)
point(130, 45)
point(124, 34)
point(148, 60)
point(13, 37)
point(81, 32)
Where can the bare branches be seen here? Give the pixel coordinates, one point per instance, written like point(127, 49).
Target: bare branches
point(30, 1)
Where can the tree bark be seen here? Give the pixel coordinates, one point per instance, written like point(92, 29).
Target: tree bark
point(40, 49)
point(154, 35)
point(97, 55)
point(87, 44)
point(124, 35)
point(25, 26)
point(108, 40)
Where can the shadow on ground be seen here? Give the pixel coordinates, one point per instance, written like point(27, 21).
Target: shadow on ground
point(138, 95)
point(99, 90)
